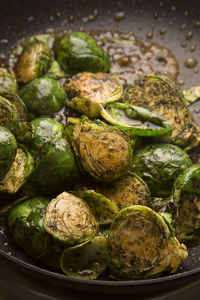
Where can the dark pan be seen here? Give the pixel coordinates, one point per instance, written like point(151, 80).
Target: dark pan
point(23, 18)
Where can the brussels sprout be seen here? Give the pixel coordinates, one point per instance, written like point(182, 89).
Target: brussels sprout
point(17, 103)
point(191, 95)
point(19, 171)
point(43, 96)
point(78, 52)
point(128, 190)
point(56, 70)
point(103, 209)
point(140, 245)
point(186, 198)
point(56, 170)
point(41, 134)
point(87, 91)
point(9, 116)
point(69, 220)
point(85, 261)
point(26, 226)
point(34, 61)
point(163, 98)
point(104, 151)
point(8, 150)
point(159, 165)
point(8, 81)
point(134, 119)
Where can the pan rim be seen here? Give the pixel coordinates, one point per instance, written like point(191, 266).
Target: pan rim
point(54, 275)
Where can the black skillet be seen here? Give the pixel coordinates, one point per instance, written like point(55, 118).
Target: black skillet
point(181, 21)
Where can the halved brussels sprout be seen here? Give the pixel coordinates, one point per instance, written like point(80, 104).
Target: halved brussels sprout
point(85, 261)
point(163, 98)
point(159, 165)
point(87, 91)
point(19, 172)
point(126, 191)
point(78, 52)
point(9, 116)
point(69, 220)
point(186, 199)
point(8, 150)
point(134, 119)
point(56, 170)
point(40, 134)
point(34, 61)
point(103, 209)
point(103, 151)
point(8, 81)
point(43, 96)
point(140, 245)
point(26, 226)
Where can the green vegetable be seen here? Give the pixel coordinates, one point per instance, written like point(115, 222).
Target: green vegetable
point(9, 116)
point(85, 261)
point(87, 91)
point(186, 200)
point(159, 165)
point(140, 245)
point(43, 96)
point(163, 98)
point(8, 81)
point(69, 220)
point(78, 52)
point(19, 172)
point(56, 70)
point(56, 170)
point(191, 95)
point(8, 150)
point(34, 61)
point(103, 209)
point(134, 119)
point(17, 102)
point(103, 151)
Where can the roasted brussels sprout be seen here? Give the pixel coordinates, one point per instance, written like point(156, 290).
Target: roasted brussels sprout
point(43, 96)
point(103, 151)
point(19, 171)
point(69, 220)
point(134, 119)
point(40, 134)
point(140, 245)
point(126, 191)
point(9, 116)
point(87, 91)
point(8, 81)
point(8, 150)
point(34, 61)
point(26, 226)
point(78, 52)
point(186, 200)
point(17, 102)
point(56, 170)
point(85, 261)
point(103, 209)
point(163, 98)
point(159, 165)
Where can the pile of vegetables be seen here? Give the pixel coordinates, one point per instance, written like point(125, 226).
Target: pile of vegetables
point(111, 190)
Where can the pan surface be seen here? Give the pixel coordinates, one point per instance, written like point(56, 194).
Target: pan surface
point(174, 24)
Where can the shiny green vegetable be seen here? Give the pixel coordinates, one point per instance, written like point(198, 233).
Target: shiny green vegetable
point(159, 165)
point(8, 150)
point(9, 116)
point(87, 91)
point(78, 52)
point(8, 81)
point(103, 151)
point(19, 172)
point(85, 261)
point(43, 96)
point(103, 209)
point(163, 98)
point(141, 245)
point(134, 119)
point(69, 219)
point(34, 61)
point(186, 200)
